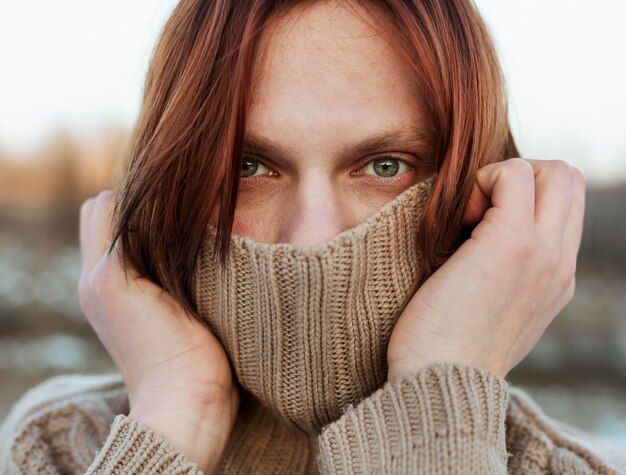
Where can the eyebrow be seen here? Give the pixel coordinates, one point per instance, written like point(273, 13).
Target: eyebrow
point(408, 137)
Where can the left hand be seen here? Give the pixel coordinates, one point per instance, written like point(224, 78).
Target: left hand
point(491, 301)
point(175, 370)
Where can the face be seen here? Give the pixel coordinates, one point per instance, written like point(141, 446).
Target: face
point(335, 127)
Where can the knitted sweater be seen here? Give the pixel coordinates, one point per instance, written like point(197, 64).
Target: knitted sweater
point(306, 329)
point(443, 419)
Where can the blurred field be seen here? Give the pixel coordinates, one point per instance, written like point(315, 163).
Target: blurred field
point(577, 372)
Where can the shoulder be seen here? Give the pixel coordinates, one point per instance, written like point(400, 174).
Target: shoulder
point(67, 395)
point(69, 386)
point(66, 417)
point(538, 442)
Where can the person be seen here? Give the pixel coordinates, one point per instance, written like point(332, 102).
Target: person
point(326, 256)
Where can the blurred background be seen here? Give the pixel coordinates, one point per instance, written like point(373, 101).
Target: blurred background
point(70, 89)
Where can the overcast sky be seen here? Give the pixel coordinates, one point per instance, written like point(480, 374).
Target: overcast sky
point(77, 64)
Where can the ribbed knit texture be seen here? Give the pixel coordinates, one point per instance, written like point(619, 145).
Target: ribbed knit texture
point(306, 329)
point(444, 419)
point(132, 448)
point(458, 411)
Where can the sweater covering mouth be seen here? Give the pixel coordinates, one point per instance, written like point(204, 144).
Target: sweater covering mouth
point(306, 327)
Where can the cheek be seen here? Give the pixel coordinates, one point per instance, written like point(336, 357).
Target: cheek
point(366, 197)
point(257, 217)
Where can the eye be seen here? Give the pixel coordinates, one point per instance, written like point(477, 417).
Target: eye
point(386, 167)
point(250, 167)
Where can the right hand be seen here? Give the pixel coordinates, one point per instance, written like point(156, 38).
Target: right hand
point(176, 372)
point(490, 302)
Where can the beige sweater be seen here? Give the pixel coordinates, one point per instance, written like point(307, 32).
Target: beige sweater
point(306, 330)
point(445, 418)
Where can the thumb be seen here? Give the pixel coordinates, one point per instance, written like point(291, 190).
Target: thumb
point(508, 187)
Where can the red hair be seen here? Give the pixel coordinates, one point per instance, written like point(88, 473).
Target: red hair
point(186, 149)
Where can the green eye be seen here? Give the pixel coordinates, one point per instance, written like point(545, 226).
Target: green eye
point(250, 166)
point(386, 167)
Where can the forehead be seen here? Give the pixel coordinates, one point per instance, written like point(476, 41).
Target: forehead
point(327, 65)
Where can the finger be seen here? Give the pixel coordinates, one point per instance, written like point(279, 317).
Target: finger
point(572, 236)
point(86, 209)
point(477, 205)
point(554, 188)
point(100, 227)
point(122, 269)
point(510, 186)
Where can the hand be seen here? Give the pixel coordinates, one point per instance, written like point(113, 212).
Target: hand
point(489, 303)
point(176, 372)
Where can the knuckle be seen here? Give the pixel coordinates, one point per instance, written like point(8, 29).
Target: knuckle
point(570, 290)
point(560, 172)
point(105, 197)
point(569, 269)
point(519, 165)
point(92, 281)
point(99, 280)
point(560, 166)
point(579, 178)
point(85, 205)
point(82, 294)
point(86, 295)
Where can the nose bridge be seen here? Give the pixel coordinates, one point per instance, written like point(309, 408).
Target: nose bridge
point(315, 213)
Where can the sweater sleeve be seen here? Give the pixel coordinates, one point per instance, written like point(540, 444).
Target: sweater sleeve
point(443, 419)
point(75, 424)
point(134, 448)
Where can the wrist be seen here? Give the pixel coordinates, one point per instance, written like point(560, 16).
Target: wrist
point(399, 370)
point(197, 426)
point(201, 438)
point(396, 371)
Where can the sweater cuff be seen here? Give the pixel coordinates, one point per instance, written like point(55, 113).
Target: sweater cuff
point(444, 418)
point(133, 448)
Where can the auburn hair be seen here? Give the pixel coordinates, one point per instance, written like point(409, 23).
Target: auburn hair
point(185, 157)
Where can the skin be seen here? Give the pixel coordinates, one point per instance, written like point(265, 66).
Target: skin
point(486, 306)
point(329, 84)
